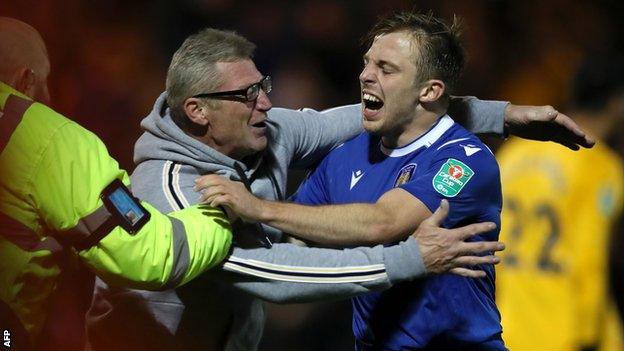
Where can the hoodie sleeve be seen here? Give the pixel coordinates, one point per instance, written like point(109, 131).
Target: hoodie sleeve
point(308, 134)
point(288, 273)
point(479, 116)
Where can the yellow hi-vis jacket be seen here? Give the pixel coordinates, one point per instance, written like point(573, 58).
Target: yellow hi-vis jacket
point(52, 172)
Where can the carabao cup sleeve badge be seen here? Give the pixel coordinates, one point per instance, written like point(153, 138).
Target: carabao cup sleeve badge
point(452, 177)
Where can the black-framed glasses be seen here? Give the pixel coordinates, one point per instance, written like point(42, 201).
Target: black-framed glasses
point(248, 94)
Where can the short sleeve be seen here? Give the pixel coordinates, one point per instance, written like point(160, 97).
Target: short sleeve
point(468, 177)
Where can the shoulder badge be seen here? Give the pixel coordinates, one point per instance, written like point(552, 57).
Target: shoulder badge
point(452, 177)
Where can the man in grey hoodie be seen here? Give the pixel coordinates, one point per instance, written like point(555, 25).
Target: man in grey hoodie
point(235, 132)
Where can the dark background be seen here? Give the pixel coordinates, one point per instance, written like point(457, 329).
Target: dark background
point(109, 60)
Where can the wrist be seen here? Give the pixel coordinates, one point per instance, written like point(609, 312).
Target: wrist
point(266, 211)
point(506, 120)
point(404, 261)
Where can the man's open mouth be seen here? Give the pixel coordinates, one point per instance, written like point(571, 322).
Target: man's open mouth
point(260, 124)
point(372, 102)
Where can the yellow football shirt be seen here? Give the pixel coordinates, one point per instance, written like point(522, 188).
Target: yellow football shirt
point(559, 207)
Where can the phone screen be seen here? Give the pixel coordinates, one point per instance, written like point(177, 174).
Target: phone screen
point(126, 206)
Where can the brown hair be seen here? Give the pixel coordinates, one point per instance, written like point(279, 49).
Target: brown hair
point(440, 52)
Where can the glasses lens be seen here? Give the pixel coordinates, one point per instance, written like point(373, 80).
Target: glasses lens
point(253, 92)
point(267, 84)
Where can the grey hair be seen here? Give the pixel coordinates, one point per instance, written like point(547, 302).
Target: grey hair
point(193, 66)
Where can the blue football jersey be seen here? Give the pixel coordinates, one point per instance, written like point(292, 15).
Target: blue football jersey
point(446, 312)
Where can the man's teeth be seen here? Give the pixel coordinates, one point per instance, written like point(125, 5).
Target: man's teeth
point(370, 97)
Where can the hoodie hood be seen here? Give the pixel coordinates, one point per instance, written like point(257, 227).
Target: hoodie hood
point(164, 140)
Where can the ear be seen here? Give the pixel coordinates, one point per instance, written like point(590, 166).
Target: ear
point(25, 81)
point(196, 111)
point(432, 90)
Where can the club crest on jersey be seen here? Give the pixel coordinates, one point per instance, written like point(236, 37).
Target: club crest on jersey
point(452, 177)
point(405, 174)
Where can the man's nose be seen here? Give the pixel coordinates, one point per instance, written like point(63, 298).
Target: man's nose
point(263, 102)
point(367, 75)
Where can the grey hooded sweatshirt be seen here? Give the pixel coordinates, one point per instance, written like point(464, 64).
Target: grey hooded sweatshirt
point(221, 309)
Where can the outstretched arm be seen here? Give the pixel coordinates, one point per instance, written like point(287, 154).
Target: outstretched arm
point(290, 274)
point(542, 123)
point(396, 214)
point(312, 134)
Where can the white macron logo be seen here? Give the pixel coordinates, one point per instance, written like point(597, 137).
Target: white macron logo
point(355, 177)
point(470, 149)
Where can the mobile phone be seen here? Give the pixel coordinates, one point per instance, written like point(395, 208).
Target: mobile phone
point(126, 210)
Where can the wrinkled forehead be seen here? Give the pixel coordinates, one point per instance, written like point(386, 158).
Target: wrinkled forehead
point(238, 74)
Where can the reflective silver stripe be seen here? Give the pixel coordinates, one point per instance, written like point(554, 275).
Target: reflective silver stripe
point(181, 254)
point(50, 244)
point(24, 237)
point(88, 225)
point(88, 231)
point(11, 116)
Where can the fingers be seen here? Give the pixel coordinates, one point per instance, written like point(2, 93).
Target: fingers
point(207, 181)
point(546, 123)
point(467, 272)
point(570, 145)
point(588, 142)
point(438, 217)
point(210, 192)
point(569, 125)
point(472, 261)
point(471, 230)
point(480, 247)
point(212, 200)
point(213, 197)
point(572, 135)
point(218, 201)
point(464, 262)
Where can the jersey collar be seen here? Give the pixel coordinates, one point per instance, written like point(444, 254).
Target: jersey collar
point(442, 125)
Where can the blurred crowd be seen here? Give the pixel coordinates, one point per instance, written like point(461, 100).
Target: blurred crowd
point(109, 60)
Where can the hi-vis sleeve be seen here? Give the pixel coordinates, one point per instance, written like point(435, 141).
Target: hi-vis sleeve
point(73, 169)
